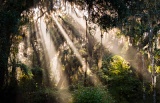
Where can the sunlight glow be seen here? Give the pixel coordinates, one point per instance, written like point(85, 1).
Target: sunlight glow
point(57, 76)
point(55, 71)
point(89, 72)
point(80, 13)
point(68, 39)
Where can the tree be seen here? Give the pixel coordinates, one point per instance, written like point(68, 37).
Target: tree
point(12, 14)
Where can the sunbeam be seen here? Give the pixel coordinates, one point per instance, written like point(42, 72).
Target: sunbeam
point(78, 15)
point(56, 74)
point(70, 43)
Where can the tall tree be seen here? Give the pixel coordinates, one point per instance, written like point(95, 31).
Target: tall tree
point(10, 17)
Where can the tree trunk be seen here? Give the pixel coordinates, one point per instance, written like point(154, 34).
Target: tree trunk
point(4, 54)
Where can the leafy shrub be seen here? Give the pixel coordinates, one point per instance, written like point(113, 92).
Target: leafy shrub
point(122, 83)
point(43, 95)
point(31, 89)
point(92, 95)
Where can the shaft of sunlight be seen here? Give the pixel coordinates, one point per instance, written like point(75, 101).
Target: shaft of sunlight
point(57, 76)
point(94, 79)
point(69, 41)
point(79, 15)
point(55, 71)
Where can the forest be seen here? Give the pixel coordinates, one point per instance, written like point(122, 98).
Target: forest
point(79, 51)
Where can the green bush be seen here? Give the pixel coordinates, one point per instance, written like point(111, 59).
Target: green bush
point(31, 89)
point(92, 95)
point(122, 83)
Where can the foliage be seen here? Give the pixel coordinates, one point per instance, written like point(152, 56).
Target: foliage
point(37, 75)
point(41, 95)
point(31, 90)
point(121, 81)
point(92, 95)
point(118, 65)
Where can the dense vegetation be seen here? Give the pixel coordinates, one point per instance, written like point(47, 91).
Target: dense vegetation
point(128, 75)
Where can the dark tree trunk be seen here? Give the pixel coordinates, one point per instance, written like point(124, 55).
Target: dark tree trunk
point(4, 54)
